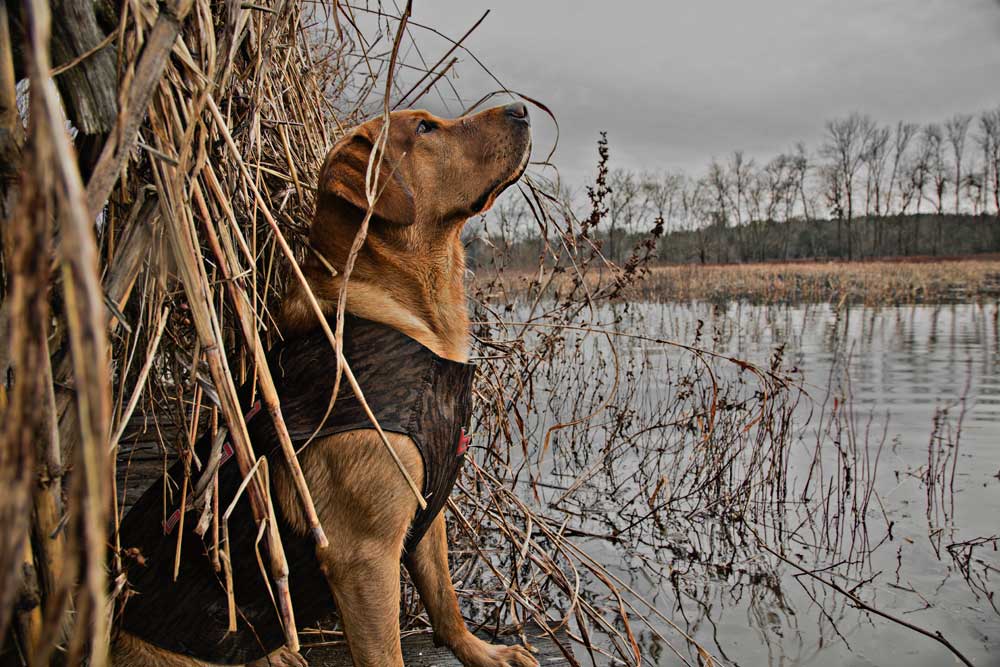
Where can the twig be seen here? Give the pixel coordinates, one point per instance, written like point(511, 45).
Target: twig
point(140, 380)
point(861, 604)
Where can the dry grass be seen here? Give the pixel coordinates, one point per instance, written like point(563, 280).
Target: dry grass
point(871, 283)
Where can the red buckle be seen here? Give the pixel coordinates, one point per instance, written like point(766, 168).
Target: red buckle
point(171, 522)
point(253, 411)
point(463, 443)
point(227, 453)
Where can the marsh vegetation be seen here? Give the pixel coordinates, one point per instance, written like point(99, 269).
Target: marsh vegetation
point(674, 468)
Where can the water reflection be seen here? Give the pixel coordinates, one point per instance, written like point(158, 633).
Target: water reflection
point(894, 449)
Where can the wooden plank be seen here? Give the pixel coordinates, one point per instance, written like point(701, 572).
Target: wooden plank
point(419, 651)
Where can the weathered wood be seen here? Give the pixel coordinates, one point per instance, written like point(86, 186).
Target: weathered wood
point(11, 131)
point(419, 651)
point(88, 89)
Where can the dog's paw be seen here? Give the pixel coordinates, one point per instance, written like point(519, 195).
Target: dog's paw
point(512, 656)
point(280, 658)
point(474, 652)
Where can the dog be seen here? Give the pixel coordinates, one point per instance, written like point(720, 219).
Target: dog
point(409, 275)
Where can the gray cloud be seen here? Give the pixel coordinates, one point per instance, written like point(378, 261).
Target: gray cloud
point(676, 83)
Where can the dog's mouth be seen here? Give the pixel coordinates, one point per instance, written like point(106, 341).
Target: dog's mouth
point(484, 203)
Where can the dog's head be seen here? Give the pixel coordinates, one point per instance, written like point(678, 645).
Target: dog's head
point(435, 174)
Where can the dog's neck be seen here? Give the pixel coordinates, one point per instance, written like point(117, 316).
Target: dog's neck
point(423, 299)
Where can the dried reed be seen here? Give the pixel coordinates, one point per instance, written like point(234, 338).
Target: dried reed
point(870, 283)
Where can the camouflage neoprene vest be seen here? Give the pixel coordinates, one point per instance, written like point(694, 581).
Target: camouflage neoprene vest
point(411, 390)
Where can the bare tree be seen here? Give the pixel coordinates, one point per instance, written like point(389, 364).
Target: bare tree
point(984, 139)
point(755, 195)
point(777, 185)
point(932, 147)
point(876, 155)
point(780, 179)
point(917, 175)
point(700, 208)
point(989, 140)
point(508, 226)
point(902, 138)
point(844, 148)
point(624, 208)
point(834, 194)
point(901, 142)
point(957, 129)
point(741, 175)
point(662, 192)
point(718, 182)
point(801, 168)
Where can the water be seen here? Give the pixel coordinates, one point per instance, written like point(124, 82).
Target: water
point(893, 393)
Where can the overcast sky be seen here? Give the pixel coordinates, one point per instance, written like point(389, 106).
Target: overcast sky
point(676, 83)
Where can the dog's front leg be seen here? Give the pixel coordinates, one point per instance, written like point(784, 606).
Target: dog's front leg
point(428, 567)
point(365, 508)
point(366, 590)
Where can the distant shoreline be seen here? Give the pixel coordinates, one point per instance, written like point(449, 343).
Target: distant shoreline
point(888, 259)
point(898, 280)
point(887, 281)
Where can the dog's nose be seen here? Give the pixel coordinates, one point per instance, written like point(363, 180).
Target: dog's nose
point(519, 111)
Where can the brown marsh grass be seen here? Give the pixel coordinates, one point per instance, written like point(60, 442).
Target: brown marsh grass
point(870, 283)
point(875, 282)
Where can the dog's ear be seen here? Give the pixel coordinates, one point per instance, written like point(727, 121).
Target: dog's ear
point(343, 176)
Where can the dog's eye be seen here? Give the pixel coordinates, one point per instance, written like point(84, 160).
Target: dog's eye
point(425, 126)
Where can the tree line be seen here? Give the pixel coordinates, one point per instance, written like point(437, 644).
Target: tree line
point(868, 189)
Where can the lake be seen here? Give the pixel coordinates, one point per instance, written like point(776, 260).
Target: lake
point(887, 481)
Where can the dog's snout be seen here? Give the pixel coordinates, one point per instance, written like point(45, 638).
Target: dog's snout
point(518, 111)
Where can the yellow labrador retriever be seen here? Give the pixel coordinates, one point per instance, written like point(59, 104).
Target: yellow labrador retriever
point(409, 276)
